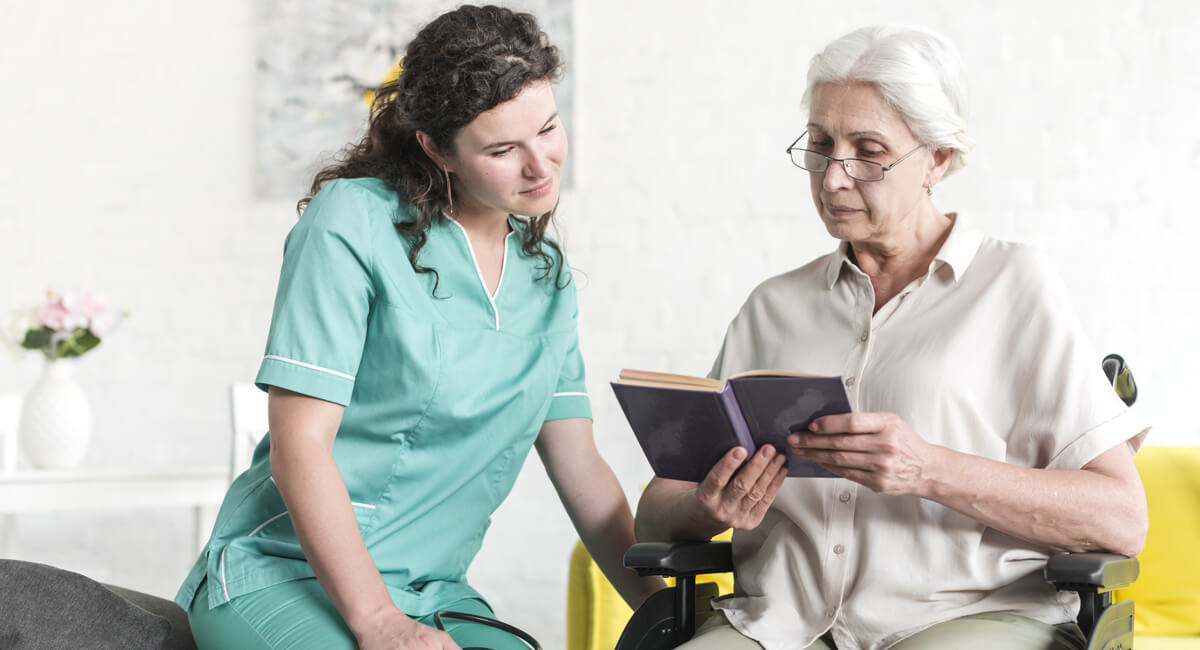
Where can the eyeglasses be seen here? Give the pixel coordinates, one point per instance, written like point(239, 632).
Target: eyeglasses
point(856, 168)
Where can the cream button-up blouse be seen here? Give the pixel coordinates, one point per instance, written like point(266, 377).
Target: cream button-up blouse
point(983, 354)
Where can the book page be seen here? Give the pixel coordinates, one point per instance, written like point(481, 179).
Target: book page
point(772, 373)
point(668, 380)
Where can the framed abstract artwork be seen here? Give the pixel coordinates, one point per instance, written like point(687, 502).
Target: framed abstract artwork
point(316, 61)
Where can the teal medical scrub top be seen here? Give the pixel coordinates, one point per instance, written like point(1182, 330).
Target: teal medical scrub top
point(444, 395)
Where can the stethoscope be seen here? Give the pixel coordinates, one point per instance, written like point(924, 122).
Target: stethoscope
point(500, 625)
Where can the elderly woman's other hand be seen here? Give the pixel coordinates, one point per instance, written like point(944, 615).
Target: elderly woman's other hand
point(734, 495)
point(878, 450)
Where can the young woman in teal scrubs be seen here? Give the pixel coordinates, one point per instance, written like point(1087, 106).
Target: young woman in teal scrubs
point(423, 340)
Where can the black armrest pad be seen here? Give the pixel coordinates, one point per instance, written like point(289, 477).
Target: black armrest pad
point(1100, 571)
point(680, 558)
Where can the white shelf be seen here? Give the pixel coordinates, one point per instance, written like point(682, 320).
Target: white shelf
point(30, 491)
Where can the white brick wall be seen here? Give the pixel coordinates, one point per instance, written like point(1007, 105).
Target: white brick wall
point(127, 143)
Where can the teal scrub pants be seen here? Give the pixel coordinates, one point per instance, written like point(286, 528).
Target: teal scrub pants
point(297, 615)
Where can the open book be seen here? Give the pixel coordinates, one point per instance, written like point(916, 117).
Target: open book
point(686, 424)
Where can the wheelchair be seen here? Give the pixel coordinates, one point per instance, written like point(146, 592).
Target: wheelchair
point(668, 618)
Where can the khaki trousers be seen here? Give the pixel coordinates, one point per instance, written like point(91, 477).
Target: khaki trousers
point(978, 632)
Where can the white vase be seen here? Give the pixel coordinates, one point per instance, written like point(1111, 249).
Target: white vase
point(56, 421)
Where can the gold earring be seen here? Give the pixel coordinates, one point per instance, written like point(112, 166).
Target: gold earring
point(929, 190)
point(449, 194)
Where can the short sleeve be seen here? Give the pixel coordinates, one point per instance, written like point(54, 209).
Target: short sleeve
point(319, 322)
point(740, 348)
point(1070, 413)
point(720, 367)
point(570, 398)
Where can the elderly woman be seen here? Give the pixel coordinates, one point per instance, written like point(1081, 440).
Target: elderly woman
point(984, 436)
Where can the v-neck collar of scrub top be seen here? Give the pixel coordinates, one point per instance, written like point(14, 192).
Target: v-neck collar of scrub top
point(466, 238)
point(448, 250)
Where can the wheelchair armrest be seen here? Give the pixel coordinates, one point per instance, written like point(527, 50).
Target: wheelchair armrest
point(1099, 572)
point(679, 558)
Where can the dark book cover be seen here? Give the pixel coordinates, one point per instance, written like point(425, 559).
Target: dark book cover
point(685, 432)
point(776, 406)
point(682, 432)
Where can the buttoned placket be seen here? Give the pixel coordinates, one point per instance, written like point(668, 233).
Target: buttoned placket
point(888, 310)
point(839, 544)
point(864, 324)
point(839, 549)
point(842, 492)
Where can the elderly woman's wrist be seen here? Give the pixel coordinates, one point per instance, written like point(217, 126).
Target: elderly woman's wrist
point(701, 524)
point(936, 480)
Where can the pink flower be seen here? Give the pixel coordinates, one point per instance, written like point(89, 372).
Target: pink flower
point(76, 318)
point(92, 305)
point(102, 323)
point(52, 313)
point(93, 312)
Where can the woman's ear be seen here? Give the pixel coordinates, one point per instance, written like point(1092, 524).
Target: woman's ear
point(431, 150)
point(939, 162)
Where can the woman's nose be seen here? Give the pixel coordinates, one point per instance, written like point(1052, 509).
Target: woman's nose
point(538, 164)
point(836, 177)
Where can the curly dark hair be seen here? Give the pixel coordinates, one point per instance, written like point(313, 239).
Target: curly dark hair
point(461, 64)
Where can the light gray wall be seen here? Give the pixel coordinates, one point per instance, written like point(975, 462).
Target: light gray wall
point(126, 167)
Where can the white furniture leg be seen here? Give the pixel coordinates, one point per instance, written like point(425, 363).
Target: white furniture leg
point(203, 518)
point(8, 536)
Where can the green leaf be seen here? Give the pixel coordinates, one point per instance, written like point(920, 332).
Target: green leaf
point(80, 341)
point(85, 340)
point(37, 339)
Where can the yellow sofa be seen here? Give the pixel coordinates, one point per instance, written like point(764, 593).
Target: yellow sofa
point(595, 613)
point(1166, 595)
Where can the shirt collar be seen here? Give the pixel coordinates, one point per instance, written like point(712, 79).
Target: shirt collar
point(837, 260)
point(956, 253)
point(960, 246)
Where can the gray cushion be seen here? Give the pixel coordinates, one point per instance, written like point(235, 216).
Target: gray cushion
point(45, 608)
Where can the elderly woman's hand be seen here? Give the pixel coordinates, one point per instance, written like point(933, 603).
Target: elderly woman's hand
point(878, 450)
point(734, 495)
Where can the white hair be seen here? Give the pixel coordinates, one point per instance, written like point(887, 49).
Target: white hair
point(917, 71)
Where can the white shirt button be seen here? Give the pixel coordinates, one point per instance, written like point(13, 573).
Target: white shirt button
point(864, 337)
point(838, 549)
point(844, 497)
point(849, 381)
